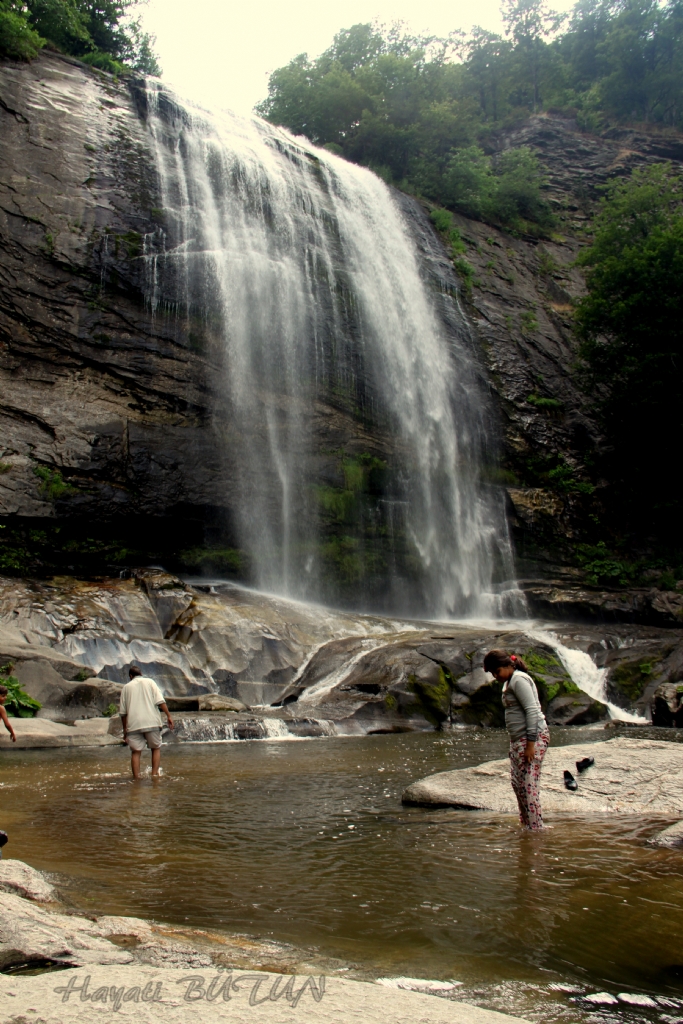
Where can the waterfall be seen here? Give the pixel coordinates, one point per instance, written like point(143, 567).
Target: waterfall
point(352, 411)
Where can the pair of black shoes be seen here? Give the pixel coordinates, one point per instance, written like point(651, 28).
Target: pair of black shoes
point(569, 780)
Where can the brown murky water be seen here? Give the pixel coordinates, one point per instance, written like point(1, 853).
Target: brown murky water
point(307, 842)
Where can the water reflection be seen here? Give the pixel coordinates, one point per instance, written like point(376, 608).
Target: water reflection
point(307, 842)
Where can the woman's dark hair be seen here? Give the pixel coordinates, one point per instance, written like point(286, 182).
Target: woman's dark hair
point(501, 659)
point(3, 691)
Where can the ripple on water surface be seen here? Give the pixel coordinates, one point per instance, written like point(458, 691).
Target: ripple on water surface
point(307, 842)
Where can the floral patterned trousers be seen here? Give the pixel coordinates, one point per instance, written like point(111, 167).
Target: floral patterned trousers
point(526, 780)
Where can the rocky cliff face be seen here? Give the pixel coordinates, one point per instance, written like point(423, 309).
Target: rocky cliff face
point(521, 304)
point(103, 406)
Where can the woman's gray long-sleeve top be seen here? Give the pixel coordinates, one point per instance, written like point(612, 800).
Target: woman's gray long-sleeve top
point(523, 714)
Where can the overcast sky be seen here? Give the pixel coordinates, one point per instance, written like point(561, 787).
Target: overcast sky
point(221, 53)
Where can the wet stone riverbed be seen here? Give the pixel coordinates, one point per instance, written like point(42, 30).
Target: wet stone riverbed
point(306, 842)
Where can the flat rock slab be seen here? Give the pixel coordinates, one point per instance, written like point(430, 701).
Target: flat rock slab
point(41, 733)
point(630, 776)
point(152, 996)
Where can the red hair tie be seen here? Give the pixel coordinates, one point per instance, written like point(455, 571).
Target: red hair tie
point(513, 657)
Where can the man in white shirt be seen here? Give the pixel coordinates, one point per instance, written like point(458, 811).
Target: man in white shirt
point(140, 703)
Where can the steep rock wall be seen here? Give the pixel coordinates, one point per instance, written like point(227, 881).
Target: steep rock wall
point(521, 305)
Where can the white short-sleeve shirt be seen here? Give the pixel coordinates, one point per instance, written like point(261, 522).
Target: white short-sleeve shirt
point(140, 699)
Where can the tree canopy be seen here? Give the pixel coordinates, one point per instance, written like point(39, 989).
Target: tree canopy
point(631, 327)
point(418, 109)
point(103, 33)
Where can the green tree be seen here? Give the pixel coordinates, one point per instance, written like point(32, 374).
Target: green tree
point(643, 61)
point(530, 22)
point(99, 32)
point(17, 39)
point(630, 326)
point(488, 68)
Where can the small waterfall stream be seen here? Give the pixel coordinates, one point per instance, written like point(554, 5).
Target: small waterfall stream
point(584, 672)
point(354, 418)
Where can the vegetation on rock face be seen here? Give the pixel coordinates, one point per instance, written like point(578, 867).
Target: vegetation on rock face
point(632, 344)
point(420, 110)
point(551, 678)
point(433, 699)
point(214, 559)
point(630, 678)
point(99, 32)
point(18, 703)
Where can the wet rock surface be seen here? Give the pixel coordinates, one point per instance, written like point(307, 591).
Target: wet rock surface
point(630, 776)
point(671, 837)
point(217, 649)
point(562, 599)
point(23, 880)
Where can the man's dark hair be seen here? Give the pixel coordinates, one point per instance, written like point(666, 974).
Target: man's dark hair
point(134, 671)
point(3, 691)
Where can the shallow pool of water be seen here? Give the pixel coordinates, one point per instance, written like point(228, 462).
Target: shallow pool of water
point(307, 842)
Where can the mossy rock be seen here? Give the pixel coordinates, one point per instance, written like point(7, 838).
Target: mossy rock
point(630, 678)
point(485, 707)
point(433, 699)
point(551, 677)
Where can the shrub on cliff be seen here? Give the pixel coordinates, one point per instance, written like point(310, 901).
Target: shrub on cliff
point(98, 32)
point(17, 39)
point(18, 703)
point(631, 336)
point(507, 192)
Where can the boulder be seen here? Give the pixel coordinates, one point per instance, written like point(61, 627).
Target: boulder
point(575, 709)
point(671, 837)
point(630, 776)
point(205, 702)
point(23, 880)
point(217, 702)
point(472, 681)
point(666, 705)
point(30, 933)
point(62, 700)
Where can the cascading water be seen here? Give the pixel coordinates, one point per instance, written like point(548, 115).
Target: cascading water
point(355, 423)
point(585, 673)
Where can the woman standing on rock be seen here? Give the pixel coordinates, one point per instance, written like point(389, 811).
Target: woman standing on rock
point(529, 736)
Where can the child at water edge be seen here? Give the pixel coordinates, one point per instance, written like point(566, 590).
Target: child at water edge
point(528, 731)
point(8, 725)
point(3, 714)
